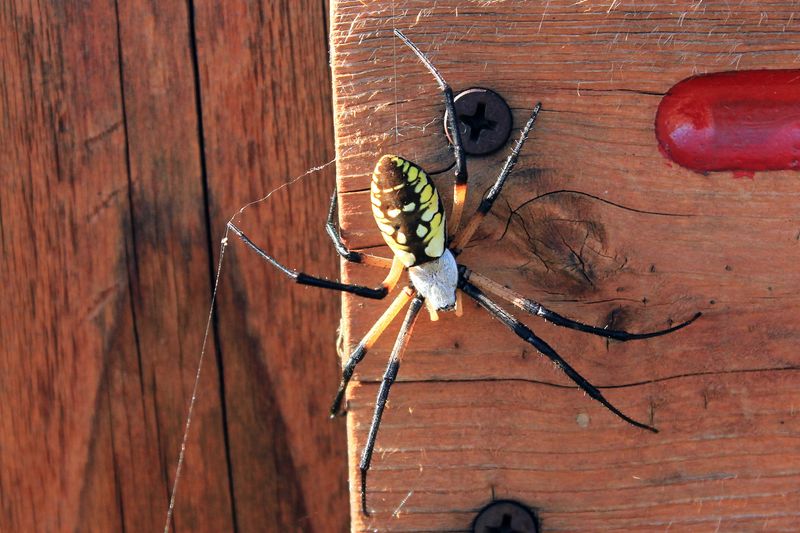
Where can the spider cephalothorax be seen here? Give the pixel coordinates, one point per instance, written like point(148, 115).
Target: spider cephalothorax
point(411, 218)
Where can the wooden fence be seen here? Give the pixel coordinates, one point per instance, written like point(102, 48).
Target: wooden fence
point(132, 131)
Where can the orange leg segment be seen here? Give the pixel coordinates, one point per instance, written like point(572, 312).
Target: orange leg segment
point(366, 343)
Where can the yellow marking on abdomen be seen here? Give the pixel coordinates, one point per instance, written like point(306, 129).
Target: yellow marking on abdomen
point(408, 211)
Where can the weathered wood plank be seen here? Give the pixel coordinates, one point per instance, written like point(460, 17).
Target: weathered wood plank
point(266, 110)
point(67, 335)
point(641, 243)
point(120, 139)
point(171, 283)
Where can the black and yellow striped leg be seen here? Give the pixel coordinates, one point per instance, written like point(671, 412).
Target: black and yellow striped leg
point(366, 343)
point(383, 393)
point(461, 175)
point(528, 336)
point(537, 309)
point(302, 278)
point(463, 237)
point(332, 228)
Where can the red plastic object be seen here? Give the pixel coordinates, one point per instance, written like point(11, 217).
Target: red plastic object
point(740, 121)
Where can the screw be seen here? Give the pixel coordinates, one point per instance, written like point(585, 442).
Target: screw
point(484, 119)
point(505, 516)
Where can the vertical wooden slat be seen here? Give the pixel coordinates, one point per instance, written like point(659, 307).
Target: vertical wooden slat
point(124, 127)
point(67, 334)
point(171, 268)
point(267, 118)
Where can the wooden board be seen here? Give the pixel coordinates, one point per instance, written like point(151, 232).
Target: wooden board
point(131, 132)
point(267, 119)
point(630, 241)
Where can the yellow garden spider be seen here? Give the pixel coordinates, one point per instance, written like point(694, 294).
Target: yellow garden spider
point(411, 218)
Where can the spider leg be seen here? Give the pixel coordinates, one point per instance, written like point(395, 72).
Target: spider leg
point(463, 237)
point(528, 336)
point(383, 393)
point(366, 343)
point(461, 175)
point(537, 309)
point(302, 278)
point(354, 257)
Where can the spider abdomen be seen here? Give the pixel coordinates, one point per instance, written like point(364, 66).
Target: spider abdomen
point(408, 210)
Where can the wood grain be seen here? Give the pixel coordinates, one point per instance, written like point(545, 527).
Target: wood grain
point(171, 281)
point(267, 119)
point(601, 228)
point(68, 330)
point(130, 132)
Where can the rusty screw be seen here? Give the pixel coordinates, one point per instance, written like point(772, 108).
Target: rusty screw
point(505, 516)
point(484, 119)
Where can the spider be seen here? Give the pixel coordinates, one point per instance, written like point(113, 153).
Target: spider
point(411, 218)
